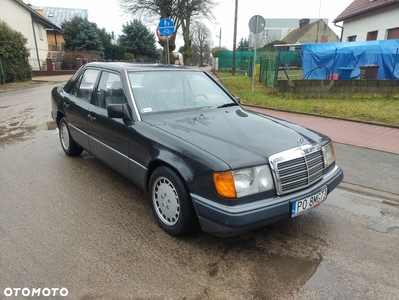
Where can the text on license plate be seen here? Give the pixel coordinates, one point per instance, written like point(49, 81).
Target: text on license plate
point(308, 203)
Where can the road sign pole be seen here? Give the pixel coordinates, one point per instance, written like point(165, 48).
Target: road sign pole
point(166, 28)
point(256, 25)
point(254, 64)
point(167, 51)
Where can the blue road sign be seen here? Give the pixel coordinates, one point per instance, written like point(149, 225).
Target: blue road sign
point(166, 27)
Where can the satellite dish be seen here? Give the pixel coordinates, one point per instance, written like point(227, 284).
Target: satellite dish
point(256, 24)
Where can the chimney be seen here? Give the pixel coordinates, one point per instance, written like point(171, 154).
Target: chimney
point(303, 23)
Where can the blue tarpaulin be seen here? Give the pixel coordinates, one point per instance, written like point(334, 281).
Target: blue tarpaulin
point(346, 59)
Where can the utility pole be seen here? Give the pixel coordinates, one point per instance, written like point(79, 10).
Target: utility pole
point(220, 38)
point(233, 69)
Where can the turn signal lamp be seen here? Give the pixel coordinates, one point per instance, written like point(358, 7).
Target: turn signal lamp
point(224, 184)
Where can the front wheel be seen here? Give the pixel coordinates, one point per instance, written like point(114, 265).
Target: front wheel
point(68, 144)
point(171, 202)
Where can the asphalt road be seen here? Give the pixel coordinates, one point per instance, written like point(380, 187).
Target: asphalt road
point(73, 223)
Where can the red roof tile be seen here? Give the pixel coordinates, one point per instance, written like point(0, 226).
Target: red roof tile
point(359, 7)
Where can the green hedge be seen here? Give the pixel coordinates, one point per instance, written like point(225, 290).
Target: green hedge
point(13, 55)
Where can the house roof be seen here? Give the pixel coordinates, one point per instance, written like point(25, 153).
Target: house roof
point(294, 36)
point(359, 7)
point(59, 15)
point(286, 22)
point(38, 17)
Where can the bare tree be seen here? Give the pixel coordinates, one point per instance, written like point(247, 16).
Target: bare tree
point(191, 10)
point(152, 11)
point(181, 12)
point(201, 38)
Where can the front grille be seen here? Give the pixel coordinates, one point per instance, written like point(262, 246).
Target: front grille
point(296, 169)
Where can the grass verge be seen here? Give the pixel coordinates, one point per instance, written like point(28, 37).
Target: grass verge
point(20, 85)
point(382, 110)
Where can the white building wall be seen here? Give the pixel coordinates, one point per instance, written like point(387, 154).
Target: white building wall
point(19, 19)
point(381, 20)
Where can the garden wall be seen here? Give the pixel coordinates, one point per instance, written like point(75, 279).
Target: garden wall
point(338, 88)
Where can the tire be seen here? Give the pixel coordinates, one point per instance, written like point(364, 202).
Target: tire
point(67, 143)
point(171, 202)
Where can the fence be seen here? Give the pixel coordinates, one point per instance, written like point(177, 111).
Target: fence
point(269, 65)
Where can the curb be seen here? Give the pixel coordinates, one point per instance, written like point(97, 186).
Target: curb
point(388, 198)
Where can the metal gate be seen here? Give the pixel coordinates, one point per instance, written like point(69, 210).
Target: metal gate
point(268, 72)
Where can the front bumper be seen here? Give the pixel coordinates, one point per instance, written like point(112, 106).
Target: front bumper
point(224, 220)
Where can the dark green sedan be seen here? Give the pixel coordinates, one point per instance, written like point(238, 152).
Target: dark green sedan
point(204, 161)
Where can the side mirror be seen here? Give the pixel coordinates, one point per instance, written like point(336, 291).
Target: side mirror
point(119, 111)
point(237, 99)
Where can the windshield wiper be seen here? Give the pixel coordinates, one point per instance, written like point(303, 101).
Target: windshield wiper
point(227, 105)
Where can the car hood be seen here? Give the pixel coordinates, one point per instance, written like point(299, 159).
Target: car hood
point(239, 137)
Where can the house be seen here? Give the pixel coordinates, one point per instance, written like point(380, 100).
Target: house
point(366, 20)
point(32, 25)
point(308, 33)
point(58, 16)
point(275, 30)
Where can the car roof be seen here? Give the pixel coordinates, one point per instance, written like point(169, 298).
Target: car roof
point(130, 66)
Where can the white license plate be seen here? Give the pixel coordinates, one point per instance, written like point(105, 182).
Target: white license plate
point(308, 203)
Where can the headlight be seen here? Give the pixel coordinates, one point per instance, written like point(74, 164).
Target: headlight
point(239, 183)
point(328, 154)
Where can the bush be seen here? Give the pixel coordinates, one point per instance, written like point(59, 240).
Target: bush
point(69, 58)
point(129, 57)
point(13, 55)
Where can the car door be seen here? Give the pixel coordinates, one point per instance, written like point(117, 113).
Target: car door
point(76, 105)
point(108, 138)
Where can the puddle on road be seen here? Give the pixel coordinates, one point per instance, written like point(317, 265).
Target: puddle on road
point(283, 274)
point(11, 135)
point(272, 267)
point(14, 132)
point(324, 276)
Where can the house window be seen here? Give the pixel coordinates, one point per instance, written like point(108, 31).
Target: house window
point(351, 38)
point(39, 31)
point(393, 33)
point(372, 35)
point(265, 33)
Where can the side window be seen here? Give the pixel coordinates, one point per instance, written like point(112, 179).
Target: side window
point(75, 88)
point(83, 87)
point(109, 90)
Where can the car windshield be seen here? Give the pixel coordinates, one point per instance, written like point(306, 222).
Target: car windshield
point(167, 91)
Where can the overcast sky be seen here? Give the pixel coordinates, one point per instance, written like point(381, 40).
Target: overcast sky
point(108, 14)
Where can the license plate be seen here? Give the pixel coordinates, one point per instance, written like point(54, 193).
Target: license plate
point(310, 202)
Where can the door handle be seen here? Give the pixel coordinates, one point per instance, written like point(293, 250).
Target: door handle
point(66, 105)
point(91, 117)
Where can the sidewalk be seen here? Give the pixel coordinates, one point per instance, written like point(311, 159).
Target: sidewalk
point(375, 137)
